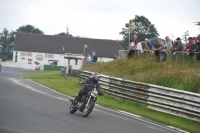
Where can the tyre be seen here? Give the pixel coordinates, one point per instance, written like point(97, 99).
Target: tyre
point(88, 110)
point(72, 109)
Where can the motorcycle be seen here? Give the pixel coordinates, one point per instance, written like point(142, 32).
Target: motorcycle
point(87, 102)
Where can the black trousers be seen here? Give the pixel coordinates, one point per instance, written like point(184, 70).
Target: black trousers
point(82, 92)
point(131, 53)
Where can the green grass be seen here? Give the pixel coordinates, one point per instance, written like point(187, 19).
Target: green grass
point(70, 86)
point(178, 75)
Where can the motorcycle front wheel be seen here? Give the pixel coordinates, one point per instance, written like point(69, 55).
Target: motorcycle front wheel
point(87, 110)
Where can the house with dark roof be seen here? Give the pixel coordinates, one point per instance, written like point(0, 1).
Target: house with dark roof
point(51, 49)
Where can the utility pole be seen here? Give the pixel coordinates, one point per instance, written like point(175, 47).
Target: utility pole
point(131, 26)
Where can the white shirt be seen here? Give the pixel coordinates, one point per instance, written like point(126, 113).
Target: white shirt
point(132, 44)
point(89, 58)
point(139, 46)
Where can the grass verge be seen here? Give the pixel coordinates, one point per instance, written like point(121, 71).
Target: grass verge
point(70, 86)
point(179, 75)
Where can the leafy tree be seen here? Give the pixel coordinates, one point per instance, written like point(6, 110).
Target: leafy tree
point(185, 37)
point(64, 34)
point(143, 29)
point(6, 43)
point(29, 29)
point(197, 23)
point(67, 32)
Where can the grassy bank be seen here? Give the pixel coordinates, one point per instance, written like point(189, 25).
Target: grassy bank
point(183, 76)
point(70, 86)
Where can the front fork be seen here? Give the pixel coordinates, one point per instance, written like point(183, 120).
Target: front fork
point(88, 101)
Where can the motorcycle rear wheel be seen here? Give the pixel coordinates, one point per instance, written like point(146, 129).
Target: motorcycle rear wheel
point(72, 109)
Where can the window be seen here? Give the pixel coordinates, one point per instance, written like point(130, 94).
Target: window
point(28, 54)
point(23, 53)
point(48, 55)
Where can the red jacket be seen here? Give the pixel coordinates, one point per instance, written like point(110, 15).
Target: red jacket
point(188, 47)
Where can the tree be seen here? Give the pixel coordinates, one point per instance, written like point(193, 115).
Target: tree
point(64, 34)
point(29, 29)
point(185, 37)
point(143, 29)
point(67, 32)
point(6, 43)
point(197, 23)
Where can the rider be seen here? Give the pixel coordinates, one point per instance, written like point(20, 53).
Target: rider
point(93, 80)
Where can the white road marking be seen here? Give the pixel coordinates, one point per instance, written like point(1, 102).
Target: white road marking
point(35, 90)
point(157, 129)
point(50, 89)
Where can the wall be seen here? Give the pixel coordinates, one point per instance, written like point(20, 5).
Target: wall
point(104, 59)
point(23, 59)
point(45, 60)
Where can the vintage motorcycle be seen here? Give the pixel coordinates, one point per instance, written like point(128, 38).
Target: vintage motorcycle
point(87, 102)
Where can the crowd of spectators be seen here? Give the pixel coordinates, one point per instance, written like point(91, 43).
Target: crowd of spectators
point(165, 47)
point(89, 59)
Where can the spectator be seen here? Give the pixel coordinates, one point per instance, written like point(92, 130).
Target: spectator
point(135, 40)
point(85, 60)
point(95, 58)
point(197, 41)
point(160, 48)
point(139, 45)
point(193, 49)
point(144, 45)
point(132, 49)
point(115, 57)
point(179, 45)
point(92, 58)
point(89, 58)
point(174, 43)
point(189, 45)
point(168, 46)
point(148, 43)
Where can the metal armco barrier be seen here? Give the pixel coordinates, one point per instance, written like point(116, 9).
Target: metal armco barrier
point(168, 100)
point(176, 102)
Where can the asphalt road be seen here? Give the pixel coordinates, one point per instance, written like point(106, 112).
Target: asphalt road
point(27, 107)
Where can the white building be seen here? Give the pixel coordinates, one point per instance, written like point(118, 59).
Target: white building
point(50, 50)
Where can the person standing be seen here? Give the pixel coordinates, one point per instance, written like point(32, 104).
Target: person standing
point(189, 45)
point(89, 58)
point(132, 49)
point(135, 39)
point(115, 57)
point(194, 48)
point(139, 45)
point(157, 50)
point(148, 43)
point(168, 46)
point(95, 58)
point(179, 45)
point(144, 45)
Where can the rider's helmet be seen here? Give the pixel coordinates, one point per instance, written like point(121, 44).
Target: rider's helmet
point(96, 77)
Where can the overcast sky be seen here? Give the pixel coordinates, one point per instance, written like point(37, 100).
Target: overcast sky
point(101, 19)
